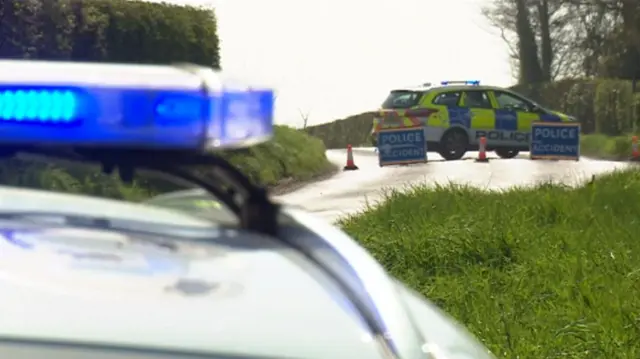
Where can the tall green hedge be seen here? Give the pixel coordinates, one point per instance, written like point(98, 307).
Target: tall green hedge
point(602, 106)
point(109, 31)
point(352, 130)
point(105, 31)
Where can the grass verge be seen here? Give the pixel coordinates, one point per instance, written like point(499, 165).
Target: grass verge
point(545, 272)
point(616, 148)
point(291, 156)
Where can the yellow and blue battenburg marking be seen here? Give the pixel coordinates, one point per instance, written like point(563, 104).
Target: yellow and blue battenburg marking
point(459, 116)
point(503, 120)
point(136, 110)
point(547, 117)
point(506, 120)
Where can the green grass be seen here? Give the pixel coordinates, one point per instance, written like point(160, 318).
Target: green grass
point(606, 147)
point(545, 272)
point(290, 155)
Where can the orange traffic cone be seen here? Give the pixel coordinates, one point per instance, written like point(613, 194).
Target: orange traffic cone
point(482, 154)
point(635, 153)
point(351, 165)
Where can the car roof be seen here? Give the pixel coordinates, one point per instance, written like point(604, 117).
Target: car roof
point(185, 294)
point(236, 292)
point(451, 88)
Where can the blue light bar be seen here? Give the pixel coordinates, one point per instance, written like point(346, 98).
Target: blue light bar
point(146, 107)
point(38, 105)
point(472, 83)
point(245, 117)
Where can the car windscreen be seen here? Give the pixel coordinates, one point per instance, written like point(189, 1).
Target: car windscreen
point(528, 101)
point(46, 187)
point(195, 202)
point(399, 99)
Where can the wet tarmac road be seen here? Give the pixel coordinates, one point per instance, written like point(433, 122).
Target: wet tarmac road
point(348, 192)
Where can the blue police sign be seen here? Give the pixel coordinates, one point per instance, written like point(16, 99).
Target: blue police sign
point(555, 141)
point(401, 146)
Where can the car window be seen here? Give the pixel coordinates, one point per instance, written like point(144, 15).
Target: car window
point(203, 204)
point(476, 99)
point(447, 99)
point(402, 99)
point(509, 101)
point(80, 189)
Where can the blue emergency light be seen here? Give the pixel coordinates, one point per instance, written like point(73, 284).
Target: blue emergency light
point(75, 104)
point(472, 83)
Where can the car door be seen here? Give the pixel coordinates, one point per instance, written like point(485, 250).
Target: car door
point(514, 116)
point(482, 115)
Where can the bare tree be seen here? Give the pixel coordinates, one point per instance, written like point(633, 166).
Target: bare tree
point(572, 38)
point(305, 118)
point(530, 70)
point(535, 33)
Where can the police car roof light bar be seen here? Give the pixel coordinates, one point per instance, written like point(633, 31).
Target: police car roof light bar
point(471, 82)
point(128, 106)
point(122, 116)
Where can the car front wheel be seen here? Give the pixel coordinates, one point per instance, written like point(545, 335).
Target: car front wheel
point(506, 153)
point(453, 145)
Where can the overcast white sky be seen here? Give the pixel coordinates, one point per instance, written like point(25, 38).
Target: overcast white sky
point(335, 58)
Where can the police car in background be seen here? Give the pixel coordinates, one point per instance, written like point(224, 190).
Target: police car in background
point(87, 277)
point(458, 113)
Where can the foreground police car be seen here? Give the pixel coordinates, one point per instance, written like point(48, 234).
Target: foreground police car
point(457, 114)
point(86, 277)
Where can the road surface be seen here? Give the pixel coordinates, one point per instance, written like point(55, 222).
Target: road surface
point(348, 192)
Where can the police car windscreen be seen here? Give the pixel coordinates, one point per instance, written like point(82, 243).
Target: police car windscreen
point(203, 205)
point(398, 99)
